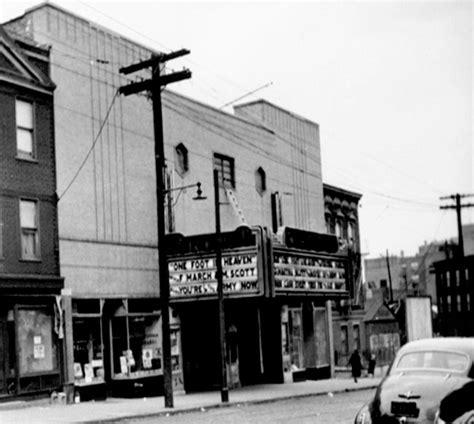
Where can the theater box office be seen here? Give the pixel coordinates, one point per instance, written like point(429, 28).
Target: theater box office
point(277, 317)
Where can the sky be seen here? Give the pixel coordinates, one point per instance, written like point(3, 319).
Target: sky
point(390, 84)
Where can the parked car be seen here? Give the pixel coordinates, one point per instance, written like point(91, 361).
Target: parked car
point(422, 373)
point(458, 406)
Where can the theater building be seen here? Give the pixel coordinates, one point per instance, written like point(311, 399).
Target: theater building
point(277, 292)
point(270, 160)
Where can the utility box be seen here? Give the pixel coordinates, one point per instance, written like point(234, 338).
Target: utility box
point(418, 319)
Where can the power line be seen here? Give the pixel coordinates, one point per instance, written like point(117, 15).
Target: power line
point(246, 95)
point(91, 148)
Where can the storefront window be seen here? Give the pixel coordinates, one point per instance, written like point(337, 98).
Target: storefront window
point(296, 338)
point(136, 345)
point(175, 335)
point(38, 352)
point(88, 355)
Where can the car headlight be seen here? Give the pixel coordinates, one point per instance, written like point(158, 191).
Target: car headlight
point(363, 416)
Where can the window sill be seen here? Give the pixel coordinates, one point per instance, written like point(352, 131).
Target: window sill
point(35, 260)
point(26, 159)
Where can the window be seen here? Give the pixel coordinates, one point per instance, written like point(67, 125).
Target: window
point(383, 283)
point(34, 329)
point(260, 181)
point(338, 229)
point(29, 229)
point(1, 231)
point(344, 340)
point(356, 336)
point(328, 224)
point(350, 231)
point(295, 324)
point(182, 161)
point(24, 130)
point(225, 166)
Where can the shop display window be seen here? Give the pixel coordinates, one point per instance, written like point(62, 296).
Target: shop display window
point(176, 367)
point(296, 337)
point(88, 352)
point(136, 344)
point(35, 336)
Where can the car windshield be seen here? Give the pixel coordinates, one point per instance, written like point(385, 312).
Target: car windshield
point(437, 360)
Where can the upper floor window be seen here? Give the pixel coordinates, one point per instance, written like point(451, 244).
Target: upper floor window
point(350, 231)
point(25, 129)
point(225, 166)
point(260, 181)
point(1, 230)
point(182, 161)
point(338, 229)
point(29, 229)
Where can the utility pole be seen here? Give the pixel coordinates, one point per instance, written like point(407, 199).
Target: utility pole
point(220, 292)
point(389, 277)
point(154, 86)
point(458, 206)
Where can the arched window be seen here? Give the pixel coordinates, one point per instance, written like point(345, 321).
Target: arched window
point(182, 161)
point(260, 181)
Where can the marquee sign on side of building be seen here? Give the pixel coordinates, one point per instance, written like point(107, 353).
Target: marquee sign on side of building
point(302, 273)
point(196, 276)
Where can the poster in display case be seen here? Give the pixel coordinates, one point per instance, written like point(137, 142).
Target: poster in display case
point(88, 351)
point(136, 346)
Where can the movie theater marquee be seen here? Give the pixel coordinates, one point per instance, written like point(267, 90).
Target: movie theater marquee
point(197, 276)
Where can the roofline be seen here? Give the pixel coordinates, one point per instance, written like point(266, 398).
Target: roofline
point(84, 20)
point(342, 190)
point(294, 115)
point(257, 125)
point(42, 83)
point(29, 85)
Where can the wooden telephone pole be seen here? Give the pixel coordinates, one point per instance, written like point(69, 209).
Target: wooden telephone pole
point(458, 206)
point(154, 86)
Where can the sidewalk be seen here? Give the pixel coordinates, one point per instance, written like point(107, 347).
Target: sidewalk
point(114, 409)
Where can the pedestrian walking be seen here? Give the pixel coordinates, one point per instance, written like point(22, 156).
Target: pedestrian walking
point(371, 367)
point(356, 365)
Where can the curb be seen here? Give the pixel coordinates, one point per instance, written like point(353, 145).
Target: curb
point(190, 410)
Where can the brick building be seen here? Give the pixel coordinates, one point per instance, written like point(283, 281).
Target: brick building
point(342, 220)
point(30, 282)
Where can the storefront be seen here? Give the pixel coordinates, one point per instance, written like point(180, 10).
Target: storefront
point(305, 281)
point(117, 348)
point(31, 340)
point(277, 296)
point(193, 294)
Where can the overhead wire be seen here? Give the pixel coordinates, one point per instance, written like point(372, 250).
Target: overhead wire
point(81, 166)
point(102, 61)
point(191, 61)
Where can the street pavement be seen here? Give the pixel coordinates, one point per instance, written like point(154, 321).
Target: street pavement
point(118, 409)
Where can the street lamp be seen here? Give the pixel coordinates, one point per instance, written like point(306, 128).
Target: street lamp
point(220, 292)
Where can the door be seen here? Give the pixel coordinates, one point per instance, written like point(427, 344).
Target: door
point(233, 357)
point(3, 356)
